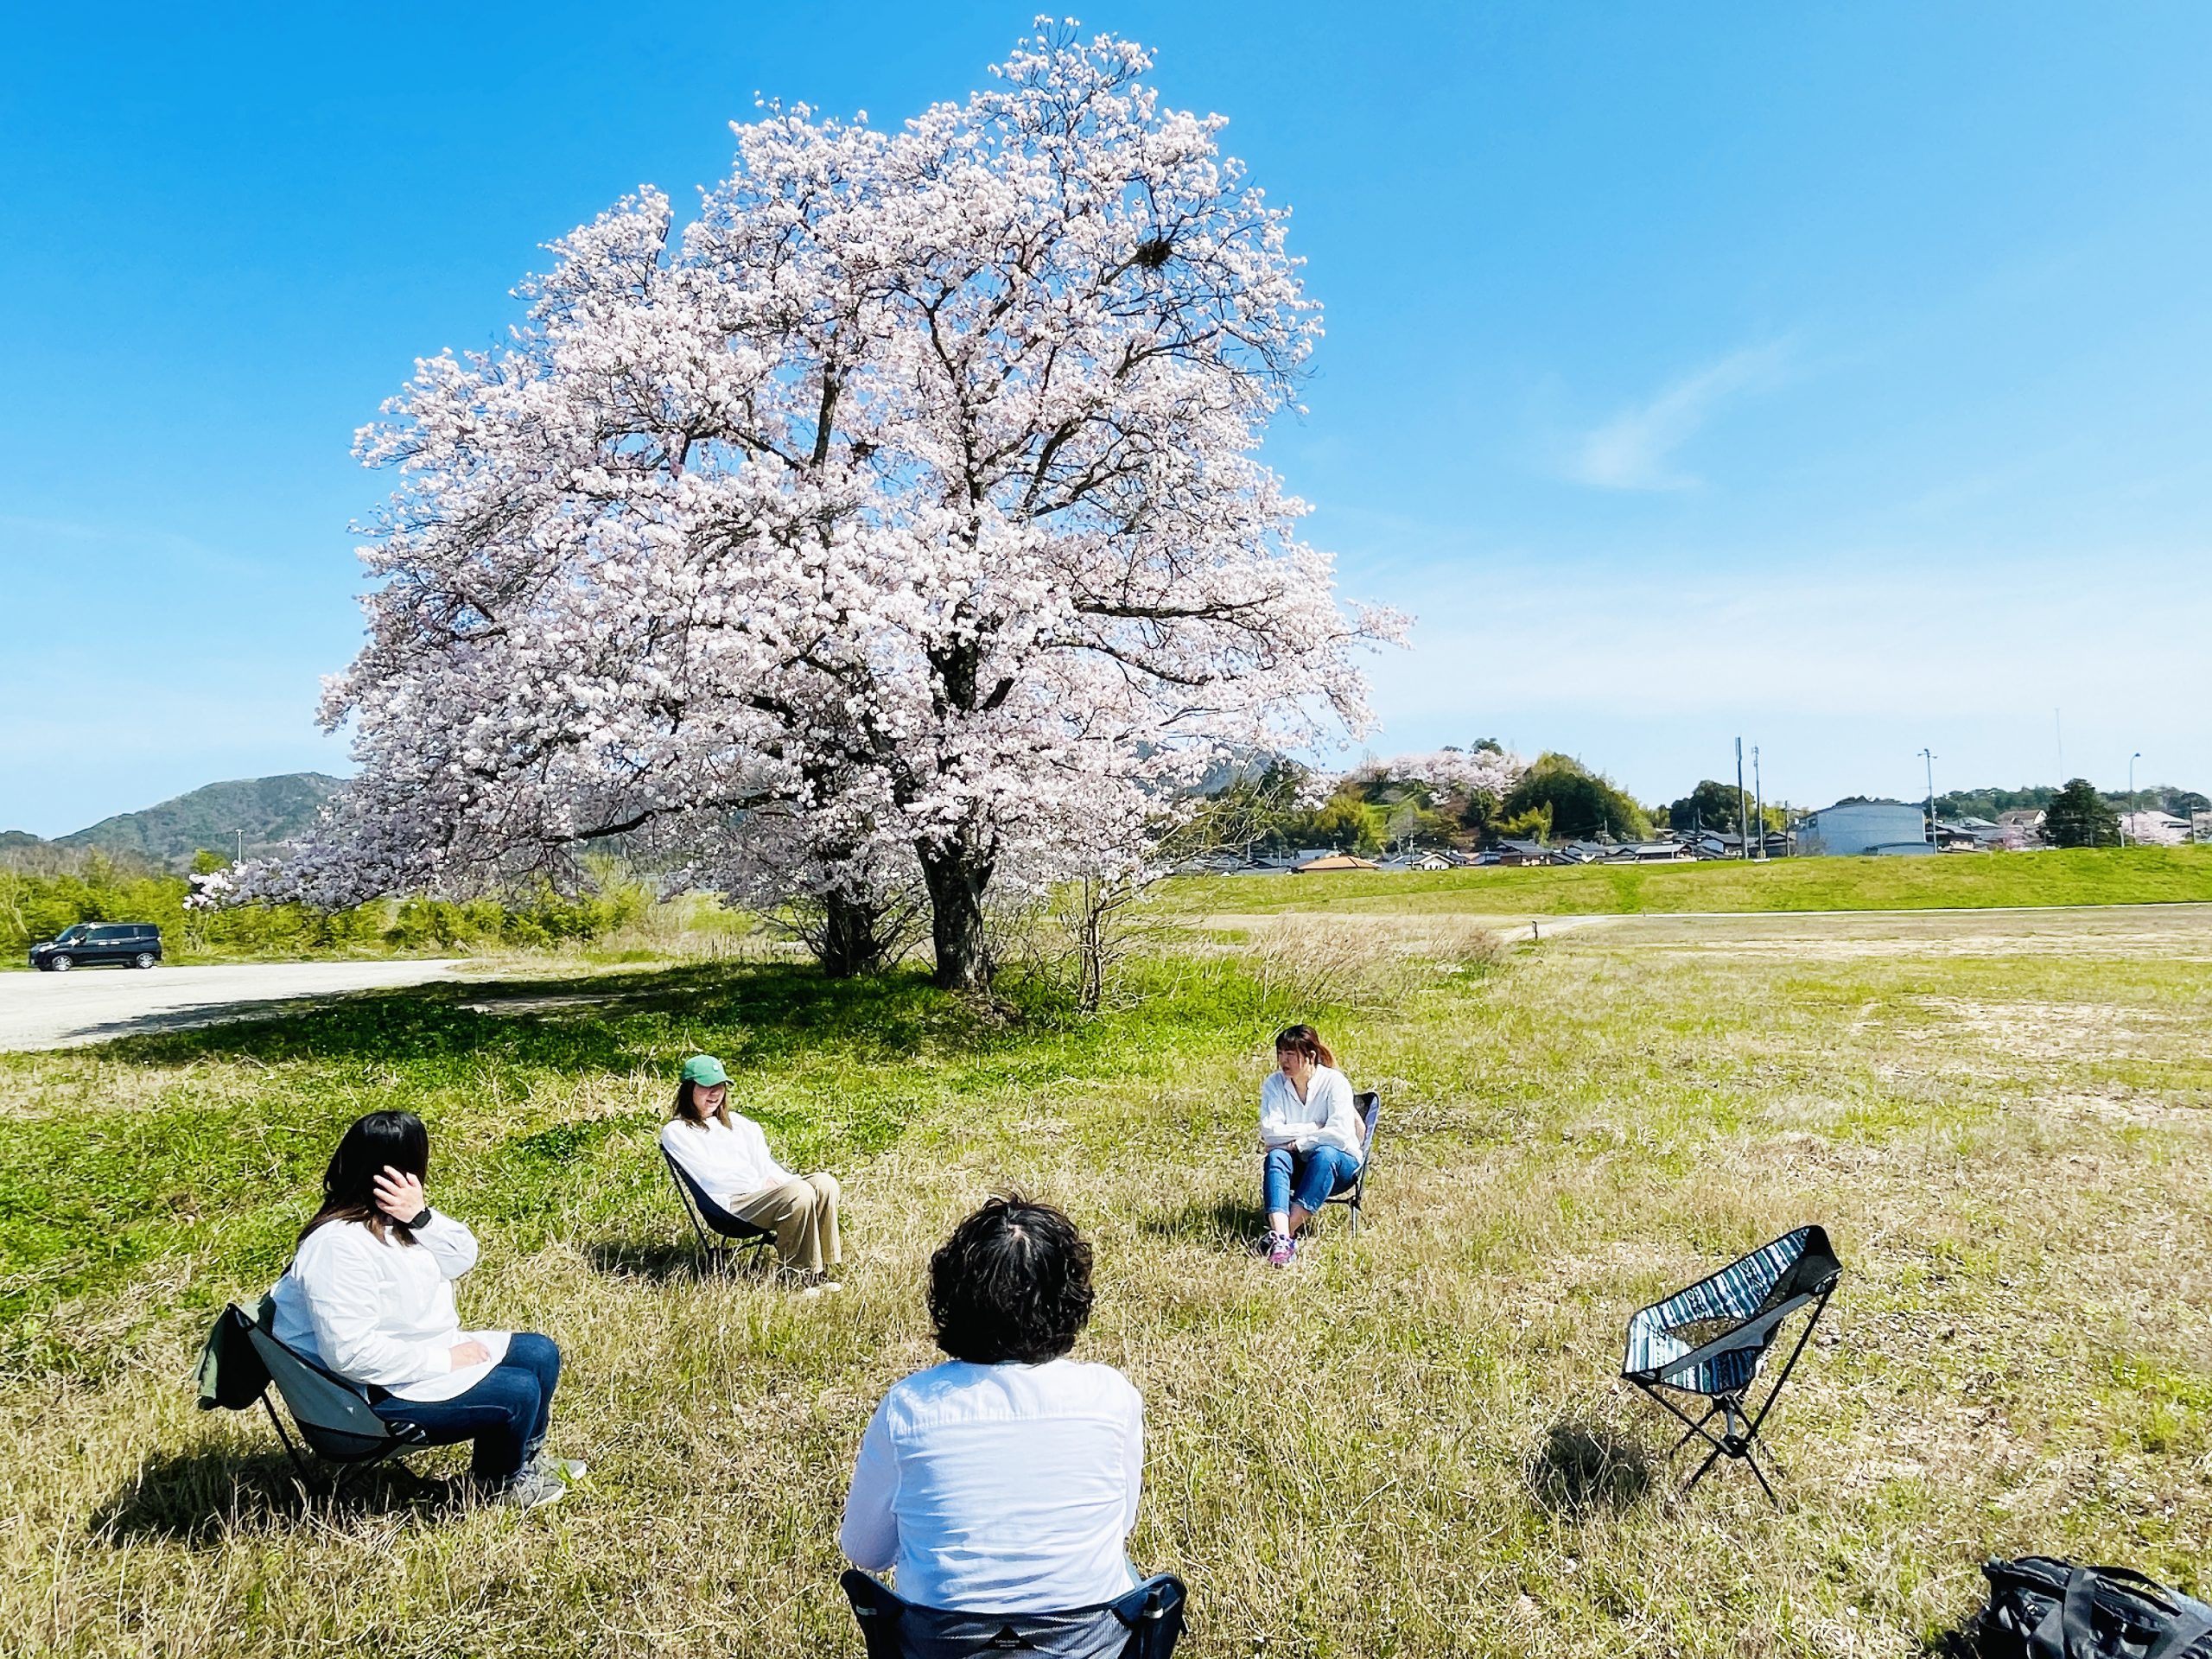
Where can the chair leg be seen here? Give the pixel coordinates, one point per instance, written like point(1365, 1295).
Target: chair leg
point(299, 1465)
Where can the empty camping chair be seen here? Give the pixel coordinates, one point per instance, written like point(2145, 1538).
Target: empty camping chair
point(722, 1236)
point(244, 1362)
point(1369, 1104)
point(1144, 1622)
point(1711, 1340)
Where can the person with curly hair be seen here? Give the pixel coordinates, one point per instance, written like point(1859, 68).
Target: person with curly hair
point(1311, 1137)
point(1006, 1480)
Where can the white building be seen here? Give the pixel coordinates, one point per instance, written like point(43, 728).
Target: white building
point(2153, 829)
point(1863, 827)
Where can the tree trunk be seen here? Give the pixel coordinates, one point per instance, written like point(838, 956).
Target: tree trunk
point(956, 876)
point(850, 946)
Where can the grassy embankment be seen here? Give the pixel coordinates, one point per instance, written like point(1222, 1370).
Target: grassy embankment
point(1371, 1455)
point(2133, 876)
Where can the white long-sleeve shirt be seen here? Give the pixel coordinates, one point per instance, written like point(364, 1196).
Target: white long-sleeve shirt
point(383, 1313)
point(1325, 1117)
point(1000, 1487)
point(729, 1164)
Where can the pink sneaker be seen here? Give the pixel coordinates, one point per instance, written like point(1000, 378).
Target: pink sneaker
point(1283, 1249)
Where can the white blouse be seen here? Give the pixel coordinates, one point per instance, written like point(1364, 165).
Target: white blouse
point(1326, 1117)
point(999, 1489)
point(383, 1313)
point(729, 1164)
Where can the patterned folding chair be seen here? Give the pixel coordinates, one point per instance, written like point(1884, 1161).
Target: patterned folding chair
point(1710, 1342)
point(1144, 1622)
point(723, 1239)
point(1370, 1112)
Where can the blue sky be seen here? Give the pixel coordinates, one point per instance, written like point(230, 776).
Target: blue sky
point(1837, 376)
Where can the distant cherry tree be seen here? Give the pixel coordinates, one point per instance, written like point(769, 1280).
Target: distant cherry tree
point(903, 506)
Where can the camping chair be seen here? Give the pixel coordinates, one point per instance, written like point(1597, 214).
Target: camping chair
point(1370, 1109)
point(1144, 1622)
point(1711, 1340)
point(332, 1415)
point(722, 1237)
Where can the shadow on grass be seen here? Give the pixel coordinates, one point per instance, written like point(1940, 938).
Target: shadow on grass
point(1231, 1222)
point(197, 1497)
point(1582, 1465)
point(760, 1011)
point(658, 1264)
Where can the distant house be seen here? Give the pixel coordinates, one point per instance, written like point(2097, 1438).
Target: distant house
point(1854, 827)
point(2153, 829)
point(2020, 826)
point(1329, 861)
point(1651, 852)
point(1516, 853)
point(1435, 861)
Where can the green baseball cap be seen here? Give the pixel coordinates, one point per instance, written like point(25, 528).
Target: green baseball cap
point(705, 1070)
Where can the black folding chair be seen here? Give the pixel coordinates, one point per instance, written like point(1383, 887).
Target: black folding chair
point(723, 1238)
point(333, 1416)
point(1144, 1622)
point(1710, 1342)
point(1370, 1111)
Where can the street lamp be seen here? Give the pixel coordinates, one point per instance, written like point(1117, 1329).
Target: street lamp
point(1931, 759)
point(2132, 759)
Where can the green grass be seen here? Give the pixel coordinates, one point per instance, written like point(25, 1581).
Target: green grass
point(2135, 875)
point(1387, 1451)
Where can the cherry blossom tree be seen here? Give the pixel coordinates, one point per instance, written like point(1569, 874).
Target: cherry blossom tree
point(900, 515)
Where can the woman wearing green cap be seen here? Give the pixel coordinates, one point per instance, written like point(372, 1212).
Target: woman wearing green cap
point(725, 1153)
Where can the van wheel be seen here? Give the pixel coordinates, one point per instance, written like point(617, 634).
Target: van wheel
point(60, 965)
point(144, 959)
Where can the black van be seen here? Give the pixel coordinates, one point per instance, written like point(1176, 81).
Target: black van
point(133, 944)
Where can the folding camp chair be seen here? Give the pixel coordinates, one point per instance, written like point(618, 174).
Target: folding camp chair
point(1711, 1340)
point(1144, 1622)
point(333, 1416)
point(1370, 1110)
point(722, 1236)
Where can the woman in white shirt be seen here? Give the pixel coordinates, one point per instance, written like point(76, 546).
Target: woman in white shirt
point(1006, 1480)
point(1311, 1133)
point(369, 1295)
point(725, 1153)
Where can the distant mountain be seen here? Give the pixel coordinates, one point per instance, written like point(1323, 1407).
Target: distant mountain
point(266, 810)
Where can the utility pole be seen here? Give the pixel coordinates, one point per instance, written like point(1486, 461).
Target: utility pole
point(2132, 759)
point(1930, 758)
point(1742, 803)
point(1758, 801)
point(241, 834)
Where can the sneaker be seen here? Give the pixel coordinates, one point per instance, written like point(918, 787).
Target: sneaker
point(1283, 1249)
point(533, 1489)
point(568, 1469)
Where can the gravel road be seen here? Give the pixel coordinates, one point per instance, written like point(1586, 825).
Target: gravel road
point(92, 1005)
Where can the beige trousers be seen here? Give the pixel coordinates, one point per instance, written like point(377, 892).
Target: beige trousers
point(803, 1215)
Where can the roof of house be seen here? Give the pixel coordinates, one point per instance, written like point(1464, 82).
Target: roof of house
point(1333, 861)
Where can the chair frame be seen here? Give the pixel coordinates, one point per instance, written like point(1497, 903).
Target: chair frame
point(1739, 1423)
point(1370, 1102)
point(1152, 1612)
point(400, 1436)
point(723, 1238)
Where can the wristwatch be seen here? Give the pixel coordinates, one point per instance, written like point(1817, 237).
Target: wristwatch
point(421, 1219)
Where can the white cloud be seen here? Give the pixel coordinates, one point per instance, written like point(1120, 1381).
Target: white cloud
point(1634, 450)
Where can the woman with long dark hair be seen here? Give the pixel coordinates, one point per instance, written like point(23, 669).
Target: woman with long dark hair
point(369, 1295)
point(1311, 1134)
point(1006, 1480)
point(725, 1153)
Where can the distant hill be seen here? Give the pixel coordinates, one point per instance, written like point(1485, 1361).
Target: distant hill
point(267, 809)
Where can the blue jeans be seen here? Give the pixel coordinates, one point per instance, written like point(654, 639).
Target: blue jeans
point(1312, 1178)
point(506, 1414)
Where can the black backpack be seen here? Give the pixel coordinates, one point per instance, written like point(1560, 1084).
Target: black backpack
point(2040, 1608)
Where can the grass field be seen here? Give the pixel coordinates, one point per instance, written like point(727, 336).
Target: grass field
point(1413, 1444)
point(2133, 876)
